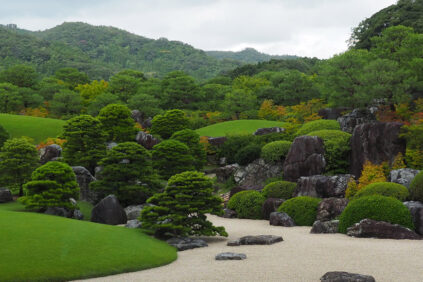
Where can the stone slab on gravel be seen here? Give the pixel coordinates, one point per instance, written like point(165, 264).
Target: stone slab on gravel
point(230, 256)
point(341, 276)
point(369, 228)
point(281, 219)
point(186, 243)
point(325, 227)
point(256, 240)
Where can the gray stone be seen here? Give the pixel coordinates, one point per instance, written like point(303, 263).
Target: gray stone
point(322, 186)
point(281, 219)
point(270, 205)
point(84, 178)
point(416, 210)
point(341, 276)
point(229, 213)
point(133, 223)
point(269, 130)
point(403, 176)
point(331, 113)
point(325, 227)
point(146, 140)
point(5, 195)
point(254, 175)
point(58, 211)
point(111, 145)
point(330, 208)
point(230, 256)
point(77, 214)
point(49, 153)
point(141, 118)
point(368, 228)
point(358, 116)
point(256, 240)
point(186, 243)
point(217, 141)
point(109, 211)
point(134, 211)
point(223, 174)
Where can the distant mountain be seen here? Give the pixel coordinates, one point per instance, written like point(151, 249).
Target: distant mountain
point(248, 55)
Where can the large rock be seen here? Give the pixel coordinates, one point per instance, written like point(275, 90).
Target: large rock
point(416, 210)
point(228, 213)
point(256, 240)
point(358, 116)
point(325, 227)
point(376, 142)
point(403, 176)
point(217, 141)
point(380, 229)
point(58, 211)
point(84, 178)
point(146, 140)
point(223, 174)
point(109, 211)
point(331, 113)
point(141, 118)
point(49, 153)
point(230, 256)
point(269, 130)
point(133, 224)
point(330, 208)
point(341, 276)
point(5, 195)
point(270, 205)
point(305, 158)
point(134, 211)
point(255, 174)
point(186, 243)
point(322, 186)
point(281, 219)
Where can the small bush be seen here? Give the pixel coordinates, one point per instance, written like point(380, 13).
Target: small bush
point(321, 124)
point(352, 189)
point(4, 135)
point(279, 189)
point(416, 188)
point(232, 145)
point(387, 189)
point(302, 210)
point(371, 173)
point(248, 154)
point(247, 204)
point(375, 207)
point(275, 151)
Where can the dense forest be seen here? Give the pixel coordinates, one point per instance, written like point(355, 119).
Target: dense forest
point(248, 55)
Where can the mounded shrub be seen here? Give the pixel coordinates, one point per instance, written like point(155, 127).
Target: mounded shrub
point(248, 154)
point(303, 210)
point(279, 189)
point(168, 123)
point(247, 204)
point(387, 189)
point(416, 187)
point(191, 138)
point(375, 207)
point(320, 124)
point(275, 151)
point(232, 145)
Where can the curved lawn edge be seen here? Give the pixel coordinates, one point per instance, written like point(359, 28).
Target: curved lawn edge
point(247, 126)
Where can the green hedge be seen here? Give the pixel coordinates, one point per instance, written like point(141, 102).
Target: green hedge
point(416, 187)
point(321, 124)
point(248, 154)
point(275, 151)
point(302, 210)
point(279, 189)
point(247, 204)
point(387, 189)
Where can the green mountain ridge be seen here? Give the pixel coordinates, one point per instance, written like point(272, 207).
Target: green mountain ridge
point(248, 55)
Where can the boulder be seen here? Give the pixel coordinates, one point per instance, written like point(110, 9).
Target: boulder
point(256, 173)
point(5, 195)
point(322, 186)
point(141, 118)
point(230, 256)
point(235, 190)
point(403, 176)
point(77, 214)
point(146, 140)
point(186, 243)
point(58, 211)
point(84, 178)
point(416, 210)
point(49, 153)
point(133, 223)
point(380, 229)
point(270, 205)
point(217, 141)
point(134, 211)
point(331, 113)
point(223, 174)
point(325, 227)
point(305, 158)
point(376, 142)
point(341, 276)
point(281, 219)
point(358, 116)
point(330, 208)
point(229, 213)
point(269, 130)
point(109, 211)
point(256, 240)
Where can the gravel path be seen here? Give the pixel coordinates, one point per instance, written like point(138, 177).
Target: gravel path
point(300, 257)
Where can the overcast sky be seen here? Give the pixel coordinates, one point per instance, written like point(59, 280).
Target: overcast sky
point(313, 28)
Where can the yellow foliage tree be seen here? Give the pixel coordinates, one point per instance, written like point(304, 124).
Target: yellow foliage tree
point(371, 173)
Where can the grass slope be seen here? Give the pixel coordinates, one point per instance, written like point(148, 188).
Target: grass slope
point(37, 247)
point(236, 127)
point(35, 127)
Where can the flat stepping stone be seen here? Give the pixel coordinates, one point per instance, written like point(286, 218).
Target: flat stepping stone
point(341, 276)
point(186, 243)
point(256, 240)
point(230, 256)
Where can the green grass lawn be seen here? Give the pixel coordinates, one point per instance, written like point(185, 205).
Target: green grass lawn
point(236, 127)
point(37, 247)
point(36, 128)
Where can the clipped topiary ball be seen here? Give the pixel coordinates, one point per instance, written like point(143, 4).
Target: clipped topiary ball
point(375, 207)
point(247, 204)
point(279, 189)
point(416, 187)
point(302, 210)
point(387, 189)
point(248, 154)
point(275, 151)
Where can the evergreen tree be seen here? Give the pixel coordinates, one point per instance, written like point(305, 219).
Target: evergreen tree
point(117, 123)
point(172, 121)
point(191, 138)
point(171, 157)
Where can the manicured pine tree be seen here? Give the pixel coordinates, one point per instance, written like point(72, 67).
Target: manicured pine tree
point(118, 123)
point(191, 138)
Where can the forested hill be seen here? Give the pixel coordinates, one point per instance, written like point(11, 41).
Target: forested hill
point(248, 55)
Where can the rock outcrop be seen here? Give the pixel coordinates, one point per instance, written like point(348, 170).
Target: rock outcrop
point(325, 227)
point(146, 140)
point(50, 153)
point(369, 228)
point(255, 174)
point(84, 178)
point(224, 173)
point(330, 208)
point(281, 219)
point(403, 176)
point(416, 210)
point(322, 186)
point(358, 116)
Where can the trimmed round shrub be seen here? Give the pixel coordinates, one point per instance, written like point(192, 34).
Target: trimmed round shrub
point(275, 151)
point(248, 154)
point(416, 187)
point(375, 207)
point(320, 124)
point(279, 189)
point(247, 204)
point(303, 210)
point(387, 189)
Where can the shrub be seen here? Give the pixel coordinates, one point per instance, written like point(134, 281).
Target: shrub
point(191, 138)
point(248, 154)
point(387, 189)
point(321, 124)
point(4, 135)
point(375, 207)
point(416, 187)
point(303, 210)
point(352, 189)
point(414, 152)
point(279, 189)
point(168, 123)
point(232, 145)
point(275, 151)
point(117, 123)
point(247, 204)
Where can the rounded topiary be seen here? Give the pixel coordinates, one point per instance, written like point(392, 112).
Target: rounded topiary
point(117, 123)
point(375, 207)
point(191, 138)
point(321, 124)
point(248, 154)
point(247, 204)
point(416, 187)
point(275, 151)
point(279, 189)
point(387, 189)
point(302, 210)
point(168, 123)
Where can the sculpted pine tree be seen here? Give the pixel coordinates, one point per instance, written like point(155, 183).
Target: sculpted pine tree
point(191, 138)
point(167, 124)
point(117, 123)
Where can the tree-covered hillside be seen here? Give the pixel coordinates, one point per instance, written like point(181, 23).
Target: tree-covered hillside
point(248, 55)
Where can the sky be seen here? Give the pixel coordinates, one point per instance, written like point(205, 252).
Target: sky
point(312, 28)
